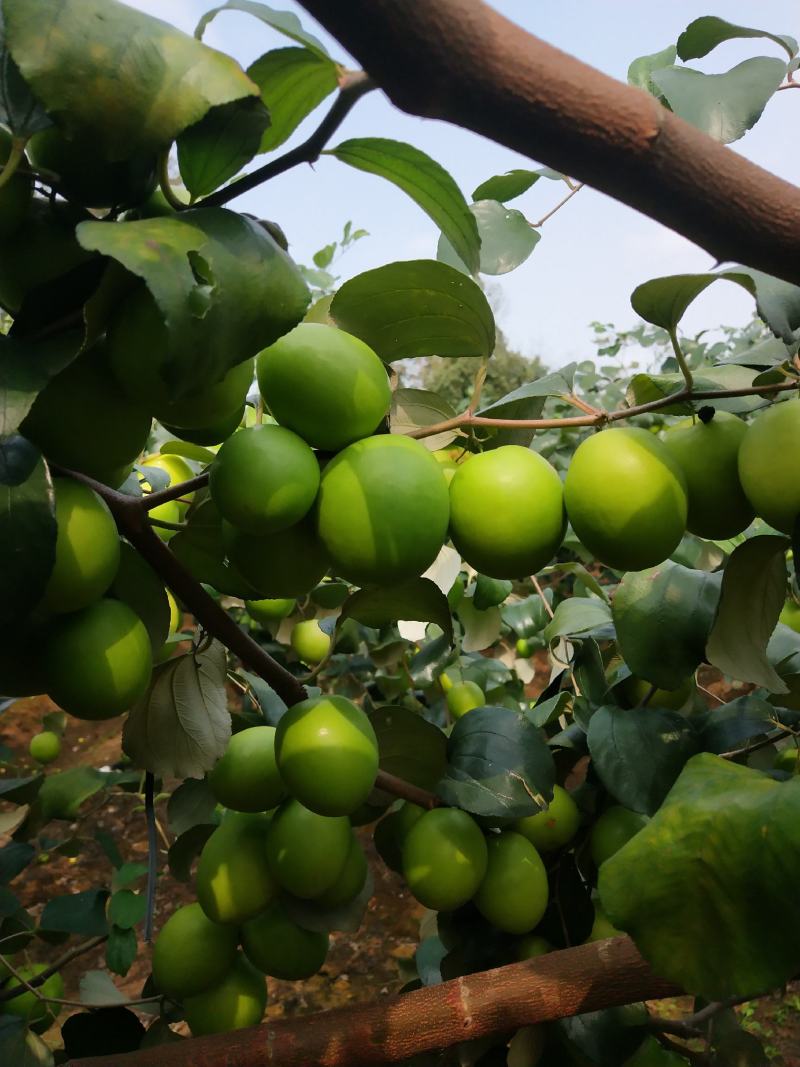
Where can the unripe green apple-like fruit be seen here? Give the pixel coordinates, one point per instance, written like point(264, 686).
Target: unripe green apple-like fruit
point(86, 177)
point(382, 510)
point(464, 697)
point(556, 826)
point(615, 827)
point(81, 420)
point(790, 615)
point(310, 641)
point(192, 953)
point(264, 479)
point(246, 778)
point(626, 498)
point(708, 454)
point(267, 611)
point(306, 851)
point(532, 945)
point(768, 467)
point(287, 563)
point(15, 195)
point(87, 548)
point(280, 948)
point(137, 585)
point(97, 661)
point(635, 690)
point(444, 858)
point(233, 878)
point(507, 514)
point(602, 927)
point(324, 384)
point(211, 433)
point(391, 832)
point(45, 747)
point(327, 754)
point(37, 1013)
point(788, 759)
point(350, 882)
point(209, 405)
point(514, 892)
point(237, 1001)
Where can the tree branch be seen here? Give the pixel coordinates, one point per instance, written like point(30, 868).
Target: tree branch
point(353, 86)
point(599, 975)
point(463, 62)
point(65, 958)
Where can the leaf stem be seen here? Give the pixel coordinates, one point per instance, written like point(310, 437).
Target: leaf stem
point(681, 358)
point(166, 185)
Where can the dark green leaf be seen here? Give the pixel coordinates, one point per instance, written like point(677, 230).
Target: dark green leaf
point(82, 58)
point(705, 33)
point(569, 916)
point(498, 765)
point(283, 21)
point(63, 793)
point(481, 628)
point(725, 106)
point(640, 71)
point(490, 591)
point(120, 948)
point(27, 527)
point(425, 181)
point(416, 308)
point(526, 402)
point(25, 369)
point(109, 846)
point(201, 549)
point(20, 790)
point(639, 752)
point(740, 1049)
point(77, 913)
point(546, 711)
point(417, 599)
point(126, 908)
point(14, 858)
point(414, 408)
point(526, 617)
point(20, 1046)
point(184, 850)
point(513, 183)
point(427, 664)
point(190, 804)
point(712, 869)
point(507, 239)
point(127, 873)
point(730, 726)
point(410, 747)
point(608, 1037)
point(663, 617)
point(580, 616)
point(218, 146)
point(293, 81)
point(753, 593)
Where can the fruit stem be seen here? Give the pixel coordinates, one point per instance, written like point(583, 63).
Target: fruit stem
point(15, 157)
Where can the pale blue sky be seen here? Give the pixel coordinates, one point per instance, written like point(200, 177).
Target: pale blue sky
point(595, 251)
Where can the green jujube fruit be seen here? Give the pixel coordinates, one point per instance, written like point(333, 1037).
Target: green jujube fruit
point(444, 858)
point(246, 778)
point(635, 691)
point(192, 953)
point(310, 641)
point(464, 697)
point(614, 828)
point(45, 747)
point(514, 892)
point(83, 421)
point(324, 384)
point(233, 881)
point(210, 405)
point(707, 454)
point(97, 661)
point(507, 514)
point(626, 498)
point(306, 851)
point(37, 1013)
point(87, 548)
point(269, 610)
point(280, 948)
point(211, 433)
point(327, 754)
point(382, 510)
point(287, 563)
point(555, 827)
point(768, 467)
point(237, 1001)
point(350, 882)
point(264, 479)
point(137, 585)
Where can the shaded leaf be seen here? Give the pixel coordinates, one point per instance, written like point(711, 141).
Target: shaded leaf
point(416, 308)
point(414, 408)
point(607, 1037)
point(97, 988)
point(580, 616)
point(107, 1032)
point(77, 913)
point(498, 765)
point(704, 34)
point(481, 628)
point(293, 81)
point(126, 908)
point(190, 804)
point(544, 712)
point(14, 858)
point(489, 592)
point(20, 1046)
point(409, 746)
point(507, 239)
point(120, 948)
point(63, 793)
point(416, 599)
point(25, 369)
point(712, 868)
point(346, 917)
point(218, 146)
point(730, 726)
point(283, 21)
point(186, 848)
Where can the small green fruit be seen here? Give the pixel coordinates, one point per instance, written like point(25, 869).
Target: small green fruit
point(602, 927)
point(788, 759)
point(246, 778)
point(463, 697)
point(310, 641)
point(768, 467)
point(192, 953)
point(327, 754)
point(306, 851)
point(531, 945)
point(555, 827)
point(790, 615)
point(277, 946)
point(615, 827)
point(233, 878)
point(350, 882)
point(38, 1014)
point(45, 746)
point(237, 1001)
point(514, 892)
point(268, 611)
point(634, 692)
point(444, 858)
point(284, 564)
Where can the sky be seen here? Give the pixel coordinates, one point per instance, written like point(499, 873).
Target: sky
point(595, 251)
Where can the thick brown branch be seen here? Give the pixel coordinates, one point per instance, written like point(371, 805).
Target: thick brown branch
point(463, 62)
point(599, 975)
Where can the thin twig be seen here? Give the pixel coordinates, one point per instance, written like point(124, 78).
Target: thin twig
point(575, 189)
point(162, 524)
point(51, 969)
point(152, 853)
point(763, 743)
point(547, 607)
point(174, 492)
point(15, 157)
point(681, 1050)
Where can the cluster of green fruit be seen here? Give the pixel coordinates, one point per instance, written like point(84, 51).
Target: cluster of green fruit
point(286, 837)
point(39, 1012)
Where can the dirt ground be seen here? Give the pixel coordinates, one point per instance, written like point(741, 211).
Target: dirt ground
point(360, 967)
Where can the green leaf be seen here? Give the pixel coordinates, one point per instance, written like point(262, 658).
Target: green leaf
point(127, 873)
point(190, 804)
point(753, 593)
point(498, 765)
point(126, 908)
point(20, 111)
point(27, 527)
point(425, 181)
point(97, 989)
point(513, 183)
point(526, 617)
point(62, 794)
point(417, 600)
point(731, 725)
point(481, 628)
point(410, 747)
point(130, 81)
point(705, 33)
point(639, 752)
point(582, 577)
point(218, 146)
point(14, 858)
point(282, 21)
point(606, 1038)
point(20, 1046)
point(293, 81)
point(546, 712)
point(416, 308)
point(725, 106)
point(184, 849)
point(663, 617)
point(120, 949)
point(77, 913)
point(580, 616)
point(712, 869)
point(526, 402)
point(20, 790)
point(640, 71)
point(181, 726)
point(414, 408)
point(489, 592)
point(25, 369)
point(507, 239)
